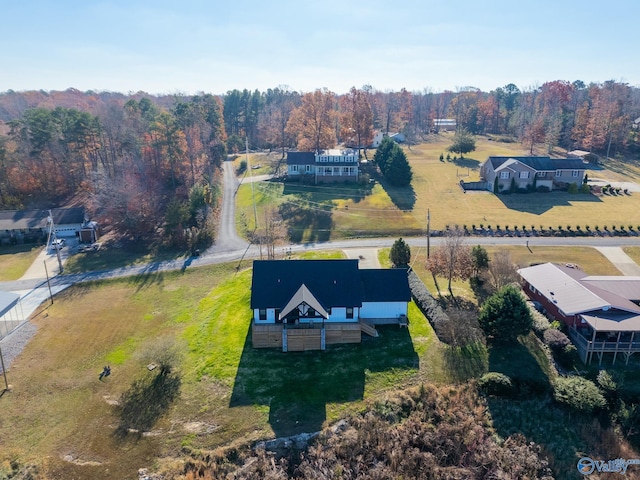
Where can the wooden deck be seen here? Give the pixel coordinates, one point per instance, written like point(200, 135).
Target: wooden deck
point(300, 338)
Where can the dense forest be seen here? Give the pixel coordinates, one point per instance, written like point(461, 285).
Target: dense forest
point(145, 162)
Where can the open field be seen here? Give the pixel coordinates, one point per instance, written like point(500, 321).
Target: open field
point(328, 211)
point(15, 260)
point(634, 253)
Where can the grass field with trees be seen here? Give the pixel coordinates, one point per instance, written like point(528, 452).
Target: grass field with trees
point(336, 211)
point(230, 394)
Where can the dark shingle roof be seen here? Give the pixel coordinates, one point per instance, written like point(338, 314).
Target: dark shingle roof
point(391, 285)
point(301, 158)
point(333, 282)
point(24, 219)
point(542, 163)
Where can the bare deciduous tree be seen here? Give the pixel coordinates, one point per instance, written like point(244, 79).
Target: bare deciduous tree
point(502, 270)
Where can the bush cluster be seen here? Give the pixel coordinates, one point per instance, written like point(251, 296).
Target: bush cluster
point(443, 435)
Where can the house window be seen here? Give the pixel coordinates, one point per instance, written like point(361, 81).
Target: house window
point(293, 168)
point(541, 174)
point(524, 174)
point(262, 314)
point(307, 168)
point(349, 312)
point(532, 288)
point(575, 173)
point(504, 174)
point(311, 312)
point(558, 173)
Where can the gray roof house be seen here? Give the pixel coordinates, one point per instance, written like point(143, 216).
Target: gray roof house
point(530, 173)
point(24, 224)
point(601, 312)
point(326, 166)
point(308, 304)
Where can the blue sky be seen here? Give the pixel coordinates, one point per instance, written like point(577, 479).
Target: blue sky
point(189, 46)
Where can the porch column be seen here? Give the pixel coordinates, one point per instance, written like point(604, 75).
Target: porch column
point(630, 352)
point(615, 354)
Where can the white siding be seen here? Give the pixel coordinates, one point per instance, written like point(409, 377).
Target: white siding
point(383, 309)
point(339, 314)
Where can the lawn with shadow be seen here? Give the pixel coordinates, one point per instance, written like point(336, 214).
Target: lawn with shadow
point(539, 203)
point(297, 386)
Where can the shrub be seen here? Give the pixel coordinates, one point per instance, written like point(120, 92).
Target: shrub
point(542, 189)
point(585, 188)
point(540, 323)
point(495, 383)
point(579, 394)
point(242, 167)
point(555, 339)
point(573, 188)
point(568, 357)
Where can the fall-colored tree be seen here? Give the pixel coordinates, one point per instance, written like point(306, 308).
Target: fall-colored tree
point(452, 260)
point(356, 119)
point(313, 122)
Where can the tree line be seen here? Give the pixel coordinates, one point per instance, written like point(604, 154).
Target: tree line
point(137, 155)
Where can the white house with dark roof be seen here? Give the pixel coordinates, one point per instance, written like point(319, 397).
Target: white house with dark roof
point(601, 312)
point(326, 166)
point(530, 173)
point(308, 304)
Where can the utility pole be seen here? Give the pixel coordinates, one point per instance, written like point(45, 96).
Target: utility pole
point(253, 194)
point(428, 230)
point(46, 271)
point(4, 373)
point(52, 232)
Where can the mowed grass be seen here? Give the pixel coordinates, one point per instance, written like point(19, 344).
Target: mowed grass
point(15, 260)
point(634, 253)
point(342, 211)
point(230, 392)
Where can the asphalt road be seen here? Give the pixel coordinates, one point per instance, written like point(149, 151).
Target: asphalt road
point(230, 247)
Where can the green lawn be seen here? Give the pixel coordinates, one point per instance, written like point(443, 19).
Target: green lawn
point(337, 211)
point(15, 260)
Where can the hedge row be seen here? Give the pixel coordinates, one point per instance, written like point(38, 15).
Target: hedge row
point(431, 309)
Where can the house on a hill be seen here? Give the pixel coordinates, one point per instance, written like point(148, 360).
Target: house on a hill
point(309, 304)
point(326, 166)
point(531, 173)
point(602, 313)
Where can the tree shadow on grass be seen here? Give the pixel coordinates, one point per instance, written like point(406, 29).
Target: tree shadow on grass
point(404, 198)
point(466, 362)
point(518, 363)
point(470, 163)
point(539, 203)
point(297, 386)
point(307, 222)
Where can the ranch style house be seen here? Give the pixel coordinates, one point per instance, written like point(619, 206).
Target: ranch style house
point(308, 304)
point(531, 173)
point(602, 313)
